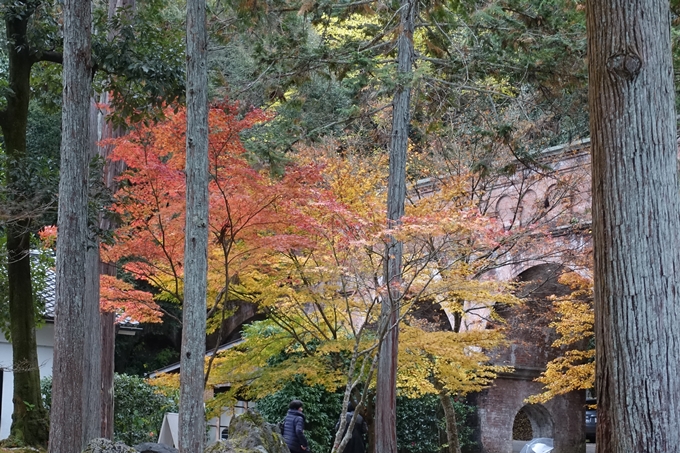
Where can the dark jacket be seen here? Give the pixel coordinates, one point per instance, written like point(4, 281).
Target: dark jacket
point(356, 443)
point(293, 426)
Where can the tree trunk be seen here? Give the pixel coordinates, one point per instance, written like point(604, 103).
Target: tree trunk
point(191, 413)
point(69, 388)
point(450, 416)
point(386, 397)
point(93, 334)
point(108, 321)
point(29, 419)
point(30, 422)
point(635, 225)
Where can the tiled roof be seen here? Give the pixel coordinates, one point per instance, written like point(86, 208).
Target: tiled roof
point(48, 296)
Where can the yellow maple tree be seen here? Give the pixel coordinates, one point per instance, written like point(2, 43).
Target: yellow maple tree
point(574, 369)
point(321, 297)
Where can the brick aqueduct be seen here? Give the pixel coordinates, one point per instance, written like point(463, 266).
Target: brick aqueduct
point(557, 193)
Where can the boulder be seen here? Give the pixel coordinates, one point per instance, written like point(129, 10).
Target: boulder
point(250, 433)
point(101, 445)
point(151, 447)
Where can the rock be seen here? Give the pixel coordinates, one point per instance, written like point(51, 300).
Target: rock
point(106, 446)
point(151, 447)
point(249, 433)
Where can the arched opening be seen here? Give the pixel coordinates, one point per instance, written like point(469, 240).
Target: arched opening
point(532, 421)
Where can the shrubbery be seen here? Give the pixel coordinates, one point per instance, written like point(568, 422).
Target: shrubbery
point(421, 427)
point(138, 408)
point(420, 421)
point(321, 409)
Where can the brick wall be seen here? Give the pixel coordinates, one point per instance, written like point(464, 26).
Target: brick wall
point(530, 338)
point(561, 418)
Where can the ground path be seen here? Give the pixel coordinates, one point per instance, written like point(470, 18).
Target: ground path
point(518, 444)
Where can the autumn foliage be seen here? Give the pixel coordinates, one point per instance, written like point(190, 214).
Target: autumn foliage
point(307, 249)
point(322, 297)
point(151, 199)
point(574, 368)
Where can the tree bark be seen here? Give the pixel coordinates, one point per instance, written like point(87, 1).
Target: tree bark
point(29, 419)
point(635, 225)
point(106, 130)
point(108, 321)
point(93, 333)
point(386, 393)
point(191, 413)
point(450, 417)
point(30, 422)
point(69, 378)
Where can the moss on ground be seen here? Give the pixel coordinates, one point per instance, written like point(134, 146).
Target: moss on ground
point(4, 449)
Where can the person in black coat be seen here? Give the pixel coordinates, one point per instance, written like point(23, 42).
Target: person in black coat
point(356, 443)
point(293, 428)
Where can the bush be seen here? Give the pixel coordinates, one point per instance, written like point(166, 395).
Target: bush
point(420, 421)
point(421, 427)
point(321, 409)
point(138, 408)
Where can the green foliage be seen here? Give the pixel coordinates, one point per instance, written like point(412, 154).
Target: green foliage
point(463, 412)
point(421, 427)
point(317, 107)
point(420, 421)
point(46, 391)
point(321, 409)
point(140, 58)
point(138, 408)
point(503, 76)
point(29, 184)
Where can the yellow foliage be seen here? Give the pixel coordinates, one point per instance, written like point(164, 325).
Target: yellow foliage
point(165, 382)
point(575, 368)
point(338, 31)
point(321, 294)
point(457, 360)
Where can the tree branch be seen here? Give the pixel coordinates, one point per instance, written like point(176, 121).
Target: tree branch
point(49, 56)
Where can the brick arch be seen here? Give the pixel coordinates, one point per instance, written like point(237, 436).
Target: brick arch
point(542, 424)
point(561, 418)
point(528, 351)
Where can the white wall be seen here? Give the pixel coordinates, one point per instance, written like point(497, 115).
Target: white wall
point(45, 340)
point(217, 424)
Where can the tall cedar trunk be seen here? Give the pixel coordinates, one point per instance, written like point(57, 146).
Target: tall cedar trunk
point(69, 378)
point(107, 319)
point(106, 130)
point(635, 225)
point(93, 332)
point(108, 322)
point(386, 396)
point(191, 413)
point(450, 417)
point(29, 419)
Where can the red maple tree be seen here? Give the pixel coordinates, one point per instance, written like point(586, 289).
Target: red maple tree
point(248, 207)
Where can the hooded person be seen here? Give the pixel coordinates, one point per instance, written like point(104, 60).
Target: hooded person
point(293, 428)
point(356, 442)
